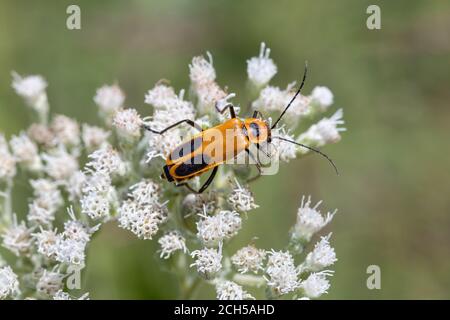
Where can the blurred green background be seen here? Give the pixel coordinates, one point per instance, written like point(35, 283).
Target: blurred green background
point(393, 83)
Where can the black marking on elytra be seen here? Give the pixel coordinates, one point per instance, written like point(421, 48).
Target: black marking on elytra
point(192, 165)
point(186, 148)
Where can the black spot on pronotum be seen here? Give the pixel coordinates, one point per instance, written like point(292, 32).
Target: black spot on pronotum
point(255, 129)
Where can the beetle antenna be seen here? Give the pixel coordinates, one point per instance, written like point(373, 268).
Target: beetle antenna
point(293, 98)
point(312, 149)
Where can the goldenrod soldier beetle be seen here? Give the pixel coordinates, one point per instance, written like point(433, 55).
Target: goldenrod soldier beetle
point(202, 153)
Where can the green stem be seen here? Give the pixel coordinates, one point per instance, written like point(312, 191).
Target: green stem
point(189, 287)
point(7, 205)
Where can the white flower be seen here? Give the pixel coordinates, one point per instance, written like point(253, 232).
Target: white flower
point(212, 230)
point(309, 220)
point(7, 161)
point(109, 99)
point(323, 132)
point(107, 161)
point(76, 230)
point(202, 71)
point(162, 145)
point(70, 251)
point(128, 123)
point(249, 259)
point(316, 284)
point(17, 238)
point(26, 152)
point(144, 221)
point(61, 295)
point(281, 271)
point(59, 164)
point(98, 194)
point(94, 137)
point(176, 110)
point(242, 198)
point(208, 95)
point(47, 194)
point(29, 86)
point(32, 89)
point(74, 185)
point(47, 241)
point(66, 130)
point(9, 283)
point(228, 290)
point(171, 242)
point(160, 96)
point(50, 282)
point(197, 204)
point(275, 99)
point(208, 261)
point(42, 135)
point(261, 69)
point(145, 191)
point(321, 257)
point(40, 215)
point(322, 96)
point(283, 150)
point(95, 205)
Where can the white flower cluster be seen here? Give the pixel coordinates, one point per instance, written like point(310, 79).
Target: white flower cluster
point(108, 173)
point(169, 109)
point(49, 152)
point(9, 283)
point(208, 261)
point(143, 213)
point(213, 230)
point(170, 243)
point(228, 290)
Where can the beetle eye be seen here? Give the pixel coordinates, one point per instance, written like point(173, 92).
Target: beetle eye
point(255, 129)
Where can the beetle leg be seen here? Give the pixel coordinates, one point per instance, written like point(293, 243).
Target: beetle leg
point(257, 164)
point(204, 186)
point(232, 112)
point(256, 113)
point(188, 121)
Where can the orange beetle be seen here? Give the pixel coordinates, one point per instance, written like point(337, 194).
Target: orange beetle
point(212, 147)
